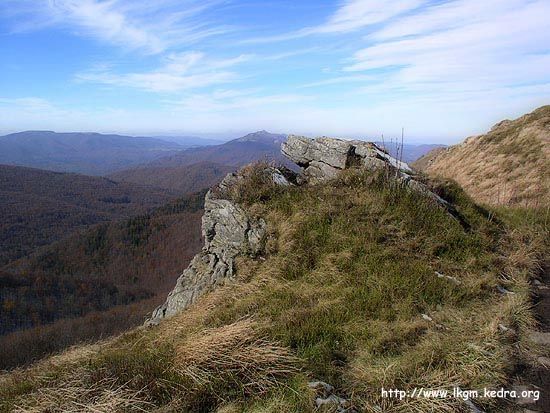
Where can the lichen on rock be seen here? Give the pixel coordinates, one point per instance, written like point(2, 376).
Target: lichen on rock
point(322, 158)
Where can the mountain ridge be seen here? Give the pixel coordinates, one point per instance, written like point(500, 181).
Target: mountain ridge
point(80, 152)
point(509, 165)
point(315, 292)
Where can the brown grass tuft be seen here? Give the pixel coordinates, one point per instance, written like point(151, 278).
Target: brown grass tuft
point(234, 356)
point(75, 395)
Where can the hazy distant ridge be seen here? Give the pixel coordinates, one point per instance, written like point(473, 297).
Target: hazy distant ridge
point(87, 153)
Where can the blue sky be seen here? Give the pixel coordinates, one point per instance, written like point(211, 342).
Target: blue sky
point(443, 70)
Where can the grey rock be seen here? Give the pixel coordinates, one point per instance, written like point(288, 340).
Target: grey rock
point(503, 290)
point(541, 338)
point(326, 399)
point(332, 401)
point(228, 232)
point(322, 158)
point(321, 388)
point(448, 277)
point(302, 150)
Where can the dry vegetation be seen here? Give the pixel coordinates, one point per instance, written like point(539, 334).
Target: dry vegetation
point(349, 271)
point(510, 165)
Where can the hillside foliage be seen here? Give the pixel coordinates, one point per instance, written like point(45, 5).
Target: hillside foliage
point(115, 272)
point(348, 292)
point(39, 207)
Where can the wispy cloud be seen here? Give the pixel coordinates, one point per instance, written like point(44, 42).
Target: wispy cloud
point(350, 16)
point(341, 79)
point(357, 14)
point(180, 72)
point(230, 100)
point(496, 48)
point(151, 27)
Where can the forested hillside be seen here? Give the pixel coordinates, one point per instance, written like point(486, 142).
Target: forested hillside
point(183, 179)
point(121, 266)
point(38, 207)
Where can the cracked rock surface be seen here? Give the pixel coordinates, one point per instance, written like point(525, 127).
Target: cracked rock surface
point(228, 231)
point(321, 159)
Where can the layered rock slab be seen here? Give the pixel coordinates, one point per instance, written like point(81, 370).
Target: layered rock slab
point(322, 158)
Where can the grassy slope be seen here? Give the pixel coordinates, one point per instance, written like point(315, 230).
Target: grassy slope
point(508, 166)
point(348, 273)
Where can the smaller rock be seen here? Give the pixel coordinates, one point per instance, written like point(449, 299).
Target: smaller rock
point(472, 407)
point(503, 290)
point(327, 399)
point(505, 329)
point(321, 388)
point(448, 277)
point(332, 401)
point(541, 338)
point(523, 388)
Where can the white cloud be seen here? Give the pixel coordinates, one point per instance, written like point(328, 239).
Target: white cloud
point(350, 16)
point(180, 72)
point(152, 27)
point(434, 53)
point(232, 100)
point(341, 79)
point(357, 14)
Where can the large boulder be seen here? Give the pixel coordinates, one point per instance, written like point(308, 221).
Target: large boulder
point(321, 159)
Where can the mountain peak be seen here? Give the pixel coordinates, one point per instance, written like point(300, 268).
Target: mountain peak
point(263, 136)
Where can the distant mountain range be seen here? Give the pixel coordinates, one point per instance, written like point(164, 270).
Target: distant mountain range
point(190, 141)
point(196, 168)
point(99, 154)
point(235, 153)
point(86, 153)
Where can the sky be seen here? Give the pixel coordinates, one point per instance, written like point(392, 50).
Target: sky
point(442, 70)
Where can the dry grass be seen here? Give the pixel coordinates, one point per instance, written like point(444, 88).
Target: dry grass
point(507, 166)
point(339, 297)
point(236, 358)
point(75, 394)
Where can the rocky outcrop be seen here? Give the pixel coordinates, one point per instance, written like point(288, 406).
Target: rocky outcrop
point(322, 158)
point(228, 231)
